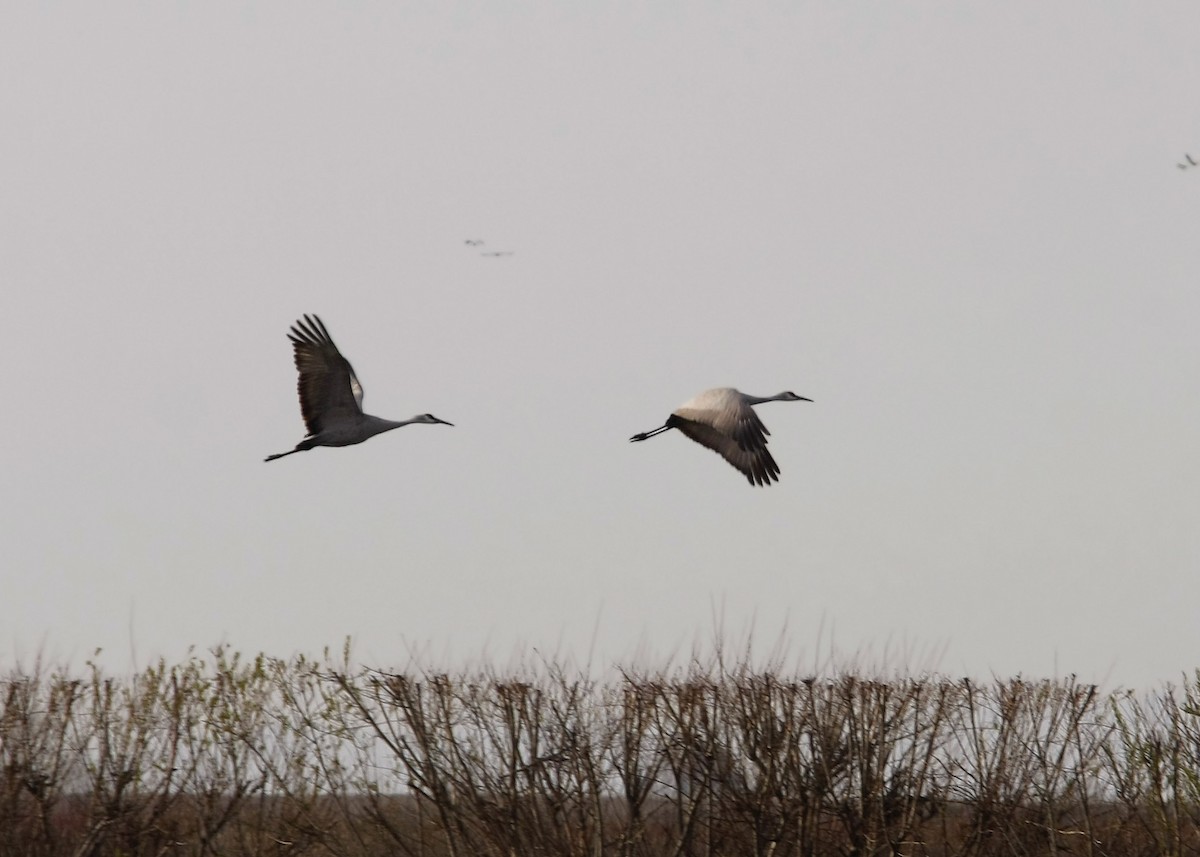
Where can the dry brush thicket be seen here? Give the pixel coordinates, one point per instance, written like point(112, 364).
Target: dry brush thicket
point(223, 755)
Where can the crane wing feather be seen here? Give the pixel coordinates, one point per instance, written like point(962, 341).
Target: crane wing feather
point(745, 446)
point(330, 393)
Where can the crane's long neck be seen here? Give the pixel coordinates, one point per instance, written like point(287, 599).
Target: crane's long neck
point(778, 397)
point(377, 425)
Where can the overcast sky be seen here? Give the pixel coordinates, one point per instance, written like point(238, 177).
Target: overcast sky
point(958, 228)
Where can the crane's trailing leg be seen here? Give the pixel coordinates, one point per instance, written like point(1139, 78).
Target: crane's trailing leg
point(302, 446)
point(647, 434)
point(281, 454)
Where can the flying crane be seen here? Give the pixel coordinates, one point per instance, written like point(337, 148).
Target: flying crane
point(723, 420)
point(330, 395)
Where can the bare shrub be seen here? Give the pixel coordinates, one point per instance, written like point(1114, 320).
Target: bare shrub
point(262, 756)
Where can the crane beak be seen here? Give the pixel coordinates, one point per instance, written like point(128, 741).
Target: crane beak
point(443, 422)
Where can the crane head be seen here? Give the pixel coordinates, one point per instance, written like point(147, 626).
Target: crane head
point(789, 396)
point(429, 418)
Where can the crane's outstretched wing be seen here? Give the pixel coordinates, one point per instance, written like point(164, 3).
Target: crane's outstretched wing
point(329, 390)
point(741, 441)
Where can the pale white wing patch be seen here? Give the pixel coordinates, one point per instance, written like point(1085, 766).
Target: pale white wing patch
point(356, 389)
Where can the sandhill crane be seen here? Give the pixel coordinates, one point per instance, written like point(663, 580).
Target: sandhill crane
point(723, 420)
point(330, 395)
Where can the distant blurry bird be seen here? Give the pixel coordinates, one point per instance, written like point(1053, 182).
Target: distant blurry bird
point(330, 395)
point(497, 253)
point(1189, 161)
point(473, 243)
point(723, 420)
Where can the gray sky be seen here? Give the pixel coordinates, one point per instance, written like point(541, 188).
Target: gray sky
point(959, 228)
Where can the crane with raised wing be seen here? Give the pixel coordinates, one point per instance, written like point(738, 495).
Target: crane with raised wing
point(330, 394)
